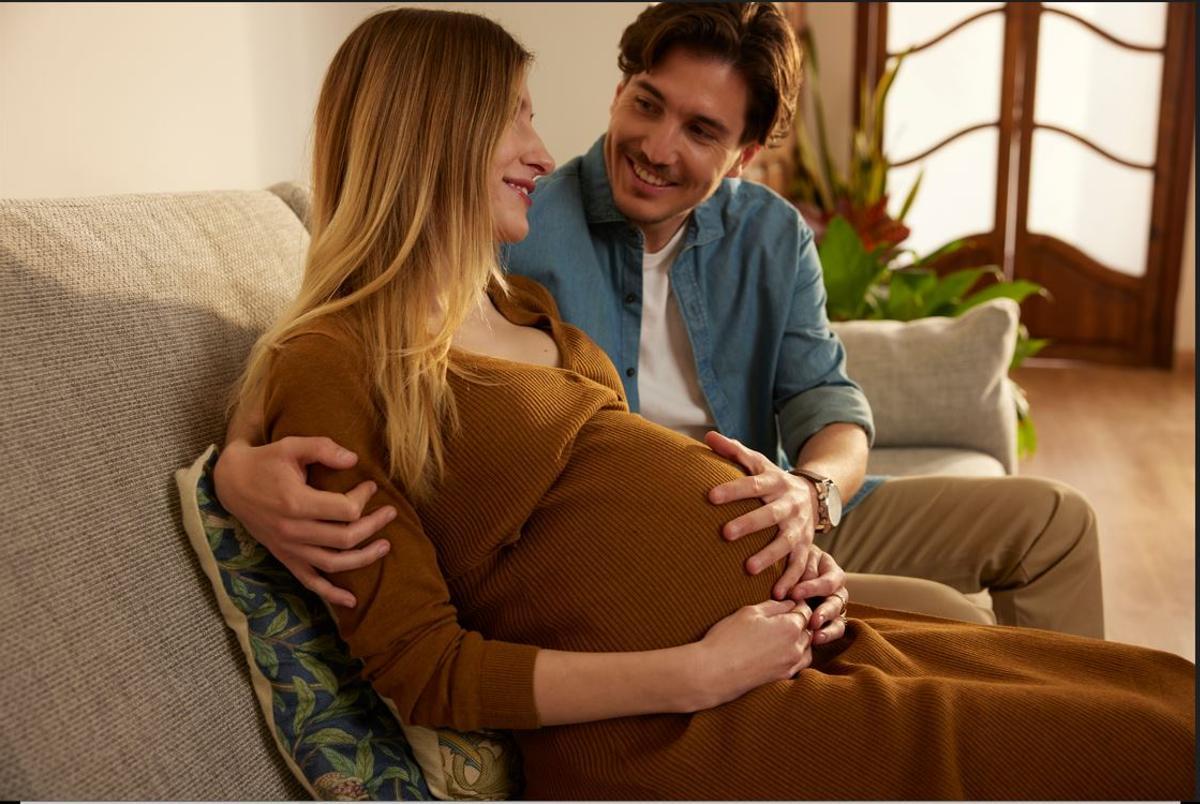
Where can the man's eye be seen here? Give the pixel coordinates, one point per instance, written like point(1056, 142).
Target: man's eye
point(701, 133)
point(642, 104)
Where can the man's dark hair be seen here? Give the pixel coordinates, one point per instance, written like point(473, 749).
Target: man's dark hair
point(754, 37)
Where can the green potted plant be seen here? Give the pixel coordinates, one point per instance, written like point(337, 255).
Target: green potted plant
point(868, 274)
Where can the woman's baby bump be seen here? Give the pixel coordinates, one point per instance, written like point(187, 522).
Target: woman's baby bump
point(625, 552)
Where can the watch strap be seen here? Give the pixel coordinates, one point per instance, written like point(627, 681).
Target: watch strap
point(822, 484)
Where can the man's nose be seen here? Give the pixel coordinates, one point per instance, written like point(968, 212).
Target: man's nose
point(659, 145)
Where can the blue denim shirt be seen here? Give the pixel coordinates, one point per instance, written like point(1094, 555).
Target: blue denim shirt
point(748, 284)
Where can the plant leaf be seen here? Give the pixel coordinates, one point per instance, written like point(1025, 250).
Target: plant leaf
point(330, 736)
point(805, 155)
point(393, 772)
point(388, 752)
point(907, 290)
point(340, 763)
point(305, 701)
point(297, 604)
point(320, 671)
point(952, 287)
point(364, 759)
point(1026, 438)
point(912, 195)
point(849, 270)
point(238, 587)
point(278, 624)
point(1017, 290)
point(938, 253)
point(264, 656)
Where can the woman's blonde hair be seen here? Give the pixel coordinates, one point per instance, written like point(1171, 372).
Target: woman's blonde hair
point(411, 112)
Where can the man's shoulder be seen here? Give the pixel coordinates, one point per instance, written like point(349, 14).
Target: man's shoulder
point(564, 182)
point(747, 204)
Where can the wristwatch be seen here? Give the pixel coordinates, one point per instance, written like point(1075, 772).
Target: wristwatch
point(829, 500)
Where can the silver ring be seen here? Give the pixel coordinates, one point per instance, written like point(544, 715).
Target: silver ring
point(845, 603)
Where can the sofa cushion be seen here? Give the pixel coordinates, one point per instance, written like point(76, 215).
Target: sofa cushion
point(939, 382)
point(336, 734)
point(123, 320)
point(333, 731)
point(932, 461)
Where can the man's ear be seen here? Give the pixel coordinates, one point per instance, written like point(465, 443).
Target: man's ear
point(620, 88)
point(747, 153)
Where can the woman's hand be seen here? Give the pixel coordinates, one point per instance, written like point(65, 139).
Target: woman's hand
point(824, 580)
point(789, 501)
point(753, 646)
point(309, 531)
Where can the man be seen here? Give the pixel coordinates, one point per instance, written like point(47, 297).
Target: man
point(706, 292)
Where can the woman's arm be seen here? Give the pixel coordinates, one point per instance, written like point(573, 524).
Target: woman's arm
point(405, 627)
point(309, 531)
point(753, 646)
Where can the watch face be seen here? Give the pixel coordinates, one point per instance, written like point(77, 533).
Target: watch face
point(833, 501)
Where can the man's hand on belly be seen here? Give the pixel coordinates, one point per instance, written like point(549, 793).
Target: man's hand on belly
point(788, 503)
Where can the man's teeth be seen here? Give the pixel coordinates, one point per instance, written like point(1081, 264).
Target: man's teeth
point(647, 176)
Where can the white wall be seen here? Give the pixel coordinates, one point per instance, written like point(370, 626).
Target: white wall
point(832, 25)
point(158, 97)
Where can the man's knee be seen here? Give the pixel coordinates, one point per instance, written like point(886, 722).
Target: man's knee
point(1065, 518)
point(1072, 511)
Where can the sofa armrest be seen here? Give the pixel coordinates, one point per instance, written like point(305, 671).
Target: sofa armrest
point(939, 382)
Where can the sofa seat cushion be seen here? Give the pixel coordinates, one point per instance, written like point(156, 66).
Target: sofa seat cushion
point(902, 461)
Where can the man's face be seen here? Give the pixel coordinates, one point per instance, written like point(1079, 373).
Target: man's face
point(674, 132)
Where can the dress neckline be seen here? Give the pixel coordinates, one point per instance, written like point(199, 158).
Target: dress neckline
point(522, 318)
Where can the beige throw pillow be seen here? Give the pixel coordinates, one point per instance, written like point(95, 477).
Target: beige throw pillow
point(939, 382)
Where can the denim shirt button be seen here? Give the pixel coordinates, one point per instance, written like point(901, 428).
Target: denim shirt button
point(629, 372)
point(630, 298)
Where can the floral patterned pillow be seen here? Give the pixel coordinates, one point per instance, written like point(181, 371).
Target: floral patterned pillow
point(336, 734)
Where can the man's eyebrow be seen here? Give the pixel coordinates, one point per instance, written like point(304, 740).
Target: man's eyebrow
point(712, 123)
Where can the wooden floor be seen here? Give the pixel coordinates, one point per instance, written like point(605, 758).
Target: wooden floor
point(1126, 439)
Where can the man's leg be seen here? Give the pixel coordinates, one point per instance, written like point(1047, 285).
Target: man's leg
point(1030, 542)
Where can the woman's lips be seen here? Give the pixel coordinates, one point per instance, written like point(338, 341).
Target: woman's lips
point(522, 188)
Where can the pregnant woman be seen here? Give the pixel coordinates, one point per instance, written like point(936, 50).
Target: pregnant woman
point(555, 566)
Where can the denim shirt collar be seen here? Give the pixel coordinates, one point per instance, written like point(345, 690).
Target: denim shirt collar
point(704, 225)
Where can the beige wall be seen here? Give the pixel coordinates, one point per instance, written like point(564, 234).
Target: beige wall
point(833, 31)
point(124, 97)
point(156, 97)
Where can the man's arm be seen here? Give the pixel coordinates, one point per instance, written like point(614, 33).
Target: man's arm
point(837, 451)
point(824, 420)
point(309, 531)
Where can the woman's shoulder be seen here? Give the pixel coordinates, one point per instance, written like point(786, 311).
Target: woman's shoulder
point(317, 382)
point(323, 350)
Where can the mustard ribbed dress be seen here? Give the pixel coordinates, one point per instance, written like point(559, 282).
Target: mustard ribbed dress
point(563, 521)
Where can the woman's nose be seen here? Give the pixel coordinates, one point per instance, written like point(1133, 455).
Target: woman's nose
point(539, 158)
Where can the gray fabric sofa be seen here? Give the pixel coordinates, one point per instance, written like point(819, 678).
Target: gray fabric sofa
point(123, 321)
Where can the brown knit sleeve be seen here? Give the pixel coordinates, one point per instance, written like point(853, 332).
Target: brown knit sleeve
point(404, 628)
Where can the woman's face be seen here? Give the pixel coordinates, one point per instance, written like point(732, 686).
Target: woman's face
point(520, 158)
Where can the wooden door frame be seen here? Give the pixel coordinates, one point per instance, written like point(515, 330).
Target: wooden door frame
point(1159, 285)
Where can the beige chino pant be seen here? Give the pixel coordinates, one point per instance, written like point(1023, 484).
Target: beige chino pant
point(1030, 542)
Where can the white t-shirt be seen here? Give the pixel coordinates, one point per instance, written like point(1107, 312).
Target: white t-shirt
point(669, 390)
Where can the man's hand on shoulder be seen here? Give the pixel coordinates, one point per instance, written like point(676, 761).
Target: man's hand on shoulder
point(308, 530)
